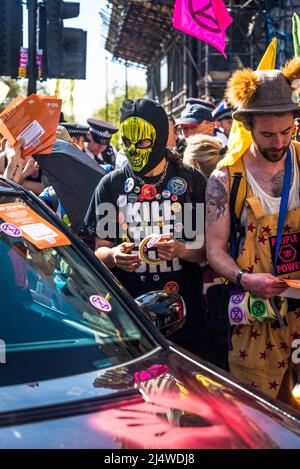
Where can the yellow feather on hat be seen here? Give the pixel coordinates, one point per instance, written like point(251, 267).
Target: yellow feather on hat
point(241, 87)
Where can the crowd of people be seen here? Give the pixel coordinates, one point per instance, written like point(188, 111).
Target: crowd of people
point(157, 187)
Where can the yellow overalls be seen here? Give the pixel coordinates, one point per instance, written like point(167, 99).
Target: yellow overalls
point(261, 354)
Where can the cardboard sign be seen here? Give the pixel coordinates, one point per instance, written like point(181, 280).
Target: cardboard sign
point(21, 220)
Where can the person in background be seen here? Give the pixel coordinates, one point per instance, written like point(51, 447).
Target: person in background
point(99, 147)
point(224, 118)
point(203, 152)
point(175, 141)
point(77, 132)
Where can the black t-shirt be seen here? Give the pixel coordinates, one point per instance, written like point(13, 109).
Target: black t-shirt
point(119, 212)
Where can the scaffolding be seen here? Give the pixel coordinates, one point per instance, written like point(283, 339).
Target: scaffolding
point(140, 33)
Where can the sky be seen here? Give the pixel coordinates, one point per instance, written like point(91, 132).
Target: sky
point(89, 95)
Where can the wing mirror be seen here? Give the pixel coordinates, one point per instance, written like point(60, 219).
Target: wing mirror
point(166, 310)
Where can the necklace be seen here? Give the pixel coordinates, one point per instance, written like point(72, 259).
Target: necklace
point(156, 184)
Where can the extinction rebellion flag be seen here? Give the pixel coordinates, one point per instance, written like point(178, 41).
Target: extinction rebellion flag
point(207, 20)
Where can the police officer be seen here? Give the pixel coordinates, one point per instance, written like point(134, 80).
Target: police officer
point(99, 147)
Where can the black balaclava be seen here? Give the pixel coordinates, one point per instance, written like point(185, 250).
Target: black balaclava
point(143, 120)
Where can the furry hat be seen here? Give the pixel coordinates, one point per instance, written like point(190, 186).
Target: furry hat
point(263, 91)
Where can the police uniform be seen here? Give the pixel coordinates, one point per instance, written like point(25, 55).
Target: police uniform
point(101, 133)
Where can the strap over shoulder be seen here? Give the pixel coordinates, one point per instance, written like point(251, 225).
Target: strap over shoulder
point(238, 190)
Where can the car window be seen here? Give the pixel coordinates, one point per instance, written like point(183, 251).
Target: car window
point(57, 315)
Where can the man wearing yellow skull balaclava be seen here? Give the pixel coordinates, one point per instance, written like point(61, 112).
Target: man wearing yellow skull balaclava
point(140, 215)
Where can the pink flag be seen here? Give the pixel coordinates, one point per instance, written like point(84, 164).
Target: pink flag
point(205, 19)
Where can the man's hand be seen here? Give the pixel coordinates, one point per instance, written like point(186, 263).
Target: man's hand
point(263, 285)
point(168, 248)
point(123, 260)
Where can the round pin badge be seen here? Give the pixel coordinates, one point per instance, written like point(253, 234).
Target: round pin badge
point(176, 207)
point(148, 191)
point(178, 227)
point(140, 198)
point(174, 198)
point(129, 185)
point(171, 287)
point(121, 218)
point(132, 198)
point(137, 189)
point(122, 200)
point(100, 303)
point(158, 196)
point(177, 185)
point(166, 194)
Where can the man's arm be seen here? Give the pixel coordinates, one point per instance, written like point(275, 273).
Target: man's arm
point(217, 237)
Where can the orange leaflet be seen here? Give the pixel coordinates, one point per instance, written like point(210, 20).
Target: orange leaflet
point(21, 220)
point(291, 283)
point(31, 120)
point(54, 107)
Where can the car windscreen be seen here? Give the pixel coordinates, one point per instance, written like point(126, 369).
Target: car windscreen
point(58, 316)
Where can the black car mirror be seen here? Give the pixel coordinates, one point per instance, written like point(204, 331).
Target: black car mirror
point(166, 310)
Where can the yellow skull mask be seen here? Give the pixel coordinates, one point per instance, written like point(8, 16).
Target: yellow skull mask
point(138, 137)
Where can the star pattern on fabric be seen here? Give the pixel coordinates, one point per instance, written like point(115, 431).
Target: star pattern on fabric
point(266, 229)
point(254, 334)
point(270, 346)
point(256, 259)
point(251, 227)
point(262, 239)
point(262, 355)
point(296, 335)
point(243, 354)
point(250, 269)
point(284, 346)
point(287, 228)
point(273, 385)
point(237, 331)
point(281, 364)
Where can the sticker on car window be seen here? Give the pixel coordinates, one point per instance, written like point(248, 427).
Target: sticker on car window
point(100, 303)
point(21, 220)
point(11, 230)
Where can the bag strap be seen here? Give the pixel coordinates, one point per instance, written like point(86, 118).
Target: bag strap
point(237, 196)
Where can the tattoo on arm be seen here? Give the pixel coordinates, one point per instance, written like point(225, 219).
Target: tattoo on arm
point(216, 199)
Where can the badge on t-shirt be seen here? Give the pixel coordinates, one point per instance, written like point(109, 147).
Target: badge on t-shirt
point(148, 192)
point(177, 185)
point(129, 185)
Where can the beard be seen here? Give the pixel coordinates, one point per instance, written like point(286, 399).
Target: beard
point(272, 154)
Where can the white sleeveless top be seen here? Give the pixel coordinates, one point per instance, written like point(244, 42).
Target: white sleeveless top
point(271, 204)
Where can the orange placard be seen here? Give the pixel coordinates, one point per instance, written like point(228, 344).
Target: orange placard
point(21, 220)
point(34, 119)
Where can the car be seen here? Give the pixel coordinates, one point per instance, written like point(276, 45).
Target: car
point(84, 365)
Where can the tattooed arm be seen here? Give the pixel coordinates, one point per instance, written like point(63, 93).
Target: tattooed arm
point(218, 225)
point(217, 237)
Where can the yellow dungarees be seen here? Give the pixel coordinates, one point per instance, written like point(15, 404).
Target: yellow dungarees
point(261, 354)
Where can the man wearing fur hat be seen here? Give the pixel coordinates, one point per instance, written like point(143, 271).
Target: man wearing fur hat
point(266, 213)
